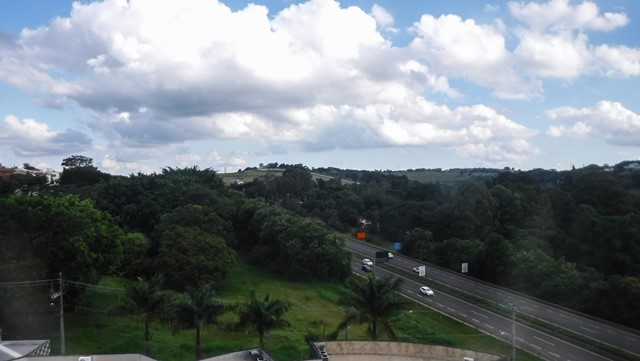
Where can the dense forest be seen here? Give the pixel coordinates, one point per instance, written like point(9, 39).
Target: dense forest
point(569, 237)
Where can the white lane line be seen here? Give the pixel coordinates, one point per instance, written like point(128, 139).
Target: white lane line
point(586, 329)
point(554, 354)
point(545, 341)
point(475, 320)
point(489, 326)
point(462, 314)
point(479, 314)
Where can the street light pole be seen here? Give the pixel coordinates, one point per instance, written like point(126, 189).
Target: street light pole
point(62, 350)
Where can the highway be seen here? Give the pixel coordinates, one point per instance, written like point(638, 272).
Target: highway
point(531, 340)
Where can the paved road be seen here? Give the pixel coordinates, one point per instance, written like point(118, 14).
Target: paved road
point(597, 331)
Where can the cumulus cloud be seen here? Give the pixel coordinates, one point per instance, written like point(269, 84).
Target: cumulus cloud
point(617, 60)
point(464, 48)
point(382, 16)
point(416, 121)
point(561, 15)
point(153, 77)
point(29, 137)
point(547, 55)
point(553, 42)
point(607, 119)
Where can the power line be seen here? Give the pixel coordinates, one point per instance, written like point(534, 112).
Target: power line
point(79, 284)
point(28, 283)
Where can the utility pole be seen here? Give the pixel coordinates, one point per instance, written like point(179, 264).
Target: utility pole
point(62, 350)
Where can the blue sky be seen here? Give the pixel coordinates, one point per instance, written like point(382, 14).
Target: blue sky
point(140, 85)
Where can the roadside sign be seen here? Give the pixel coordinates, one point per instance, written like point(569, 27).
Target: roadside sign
point(422, 271)
point(397, 246)
point(465, 267)
point(360, 235)
point(382, 256)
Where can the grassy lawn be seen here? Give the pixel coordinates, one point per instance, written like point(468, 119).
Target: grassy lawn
point(91, 331)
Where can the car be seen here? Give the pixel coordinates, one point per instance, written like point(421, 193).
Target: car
point(367, 268)
point(416, 269)
point(390, 256)
point(367, 262)
point(426, 291)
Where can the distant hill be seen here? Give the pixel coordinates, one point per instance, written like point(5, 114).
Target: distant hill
point(451, 177)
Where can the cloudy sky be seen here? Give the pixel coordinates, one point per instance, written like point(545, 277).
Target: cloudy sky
point(140, 85)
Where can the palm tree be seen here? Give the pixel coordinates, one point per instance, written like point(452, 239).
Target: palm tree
point(147, 301)
point(263, 314)
point(373, 302)
point(196, 310)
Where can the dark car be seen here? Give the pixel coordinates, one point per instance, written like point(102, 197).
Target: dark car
point(367, 268)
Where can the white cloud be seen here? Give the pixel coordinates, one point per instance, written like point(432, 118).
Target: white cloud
point(554, 43)
point(30, 137)
point(463, 48)
point(577, 130)
point(382, 16)
point(154, 78)
point(609, 120)
point(546, 55)
point(561, 15)
point(617, 60)
point(185, 160)
point(229, 161)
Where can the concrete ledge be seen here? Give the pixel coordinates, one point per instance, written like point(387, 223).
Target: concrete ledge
point(383, 351)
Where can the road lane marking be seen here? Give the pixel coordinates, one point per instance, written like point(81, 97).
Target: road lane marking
point(586, 329)
point(545, 341)
point(479, 314)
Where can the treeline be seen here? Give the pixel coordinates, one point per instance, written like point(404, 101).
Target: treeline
point(569, 237)
point(183, 224)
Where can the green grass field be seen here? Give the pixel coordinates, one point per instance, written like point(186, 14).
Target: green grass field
point(314, 309)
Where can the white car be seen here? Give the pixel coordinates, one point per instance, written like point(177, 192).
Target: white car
point(367, 262)
point(426, 291)
point(390, 256)
point(416, 269)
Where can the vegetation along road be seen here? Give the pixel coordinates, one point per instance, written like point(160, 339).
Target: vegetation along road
point(527, 338)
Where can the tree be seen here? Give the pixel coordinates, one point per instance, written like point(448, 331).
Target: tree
point(28, 166)
point(148, 302)
point(196, 309)
point(190, 257)
point(77, 161)
point(136, 261)
point(42, 236)
point(294, 182)
point(373, 302)
point(262, 314)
